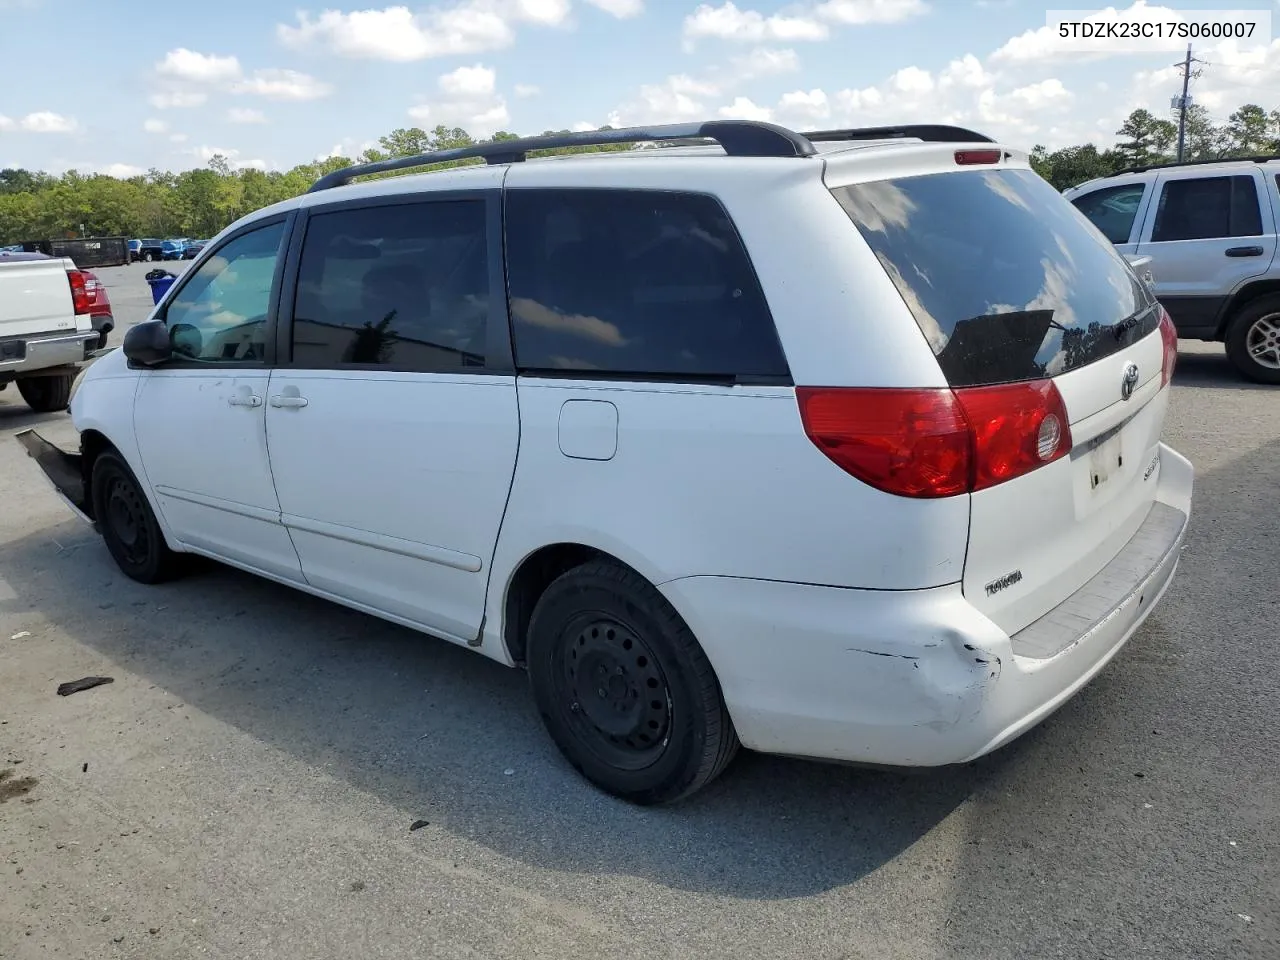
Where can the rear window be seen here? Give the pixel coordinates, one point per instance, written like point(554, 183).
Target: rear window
point(1006, 279)
point(637, 284)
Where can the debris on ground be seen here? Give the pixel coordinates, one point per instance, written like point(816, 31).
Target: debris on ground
point(86, 683)
point(10, 788)
point(418, 825)
point(357, 886)
point(508, 772)
point(21, 635)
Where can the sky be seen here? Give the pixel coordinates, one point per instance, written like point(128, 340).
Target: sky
point(118, 87)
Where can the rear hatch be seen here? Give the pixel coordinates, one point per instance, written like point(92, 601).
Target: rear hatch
point(1011, 285)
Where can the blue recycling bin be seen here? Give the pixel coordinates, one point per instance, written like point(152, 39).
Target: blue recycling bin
point(160, 281)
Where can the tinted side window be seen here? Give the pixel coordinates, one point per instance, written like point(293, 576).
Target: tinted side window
point(1112, 210)
point(634, 282)
point(1208, 208)
point(220, 312)
point(400, 287)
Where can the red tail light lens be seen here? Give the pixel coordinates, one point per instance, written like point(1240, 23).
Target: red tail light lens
point(1016, 427)
point(937, 442)
point(81, 295)
point(1169, 336)
point(967, 158)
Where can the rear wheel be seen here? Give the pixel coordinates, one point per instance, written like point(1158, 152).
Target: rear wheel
point(624, 688)
point(47, 394)
point(147, 257)
point(129, 527)
point(1253, 340)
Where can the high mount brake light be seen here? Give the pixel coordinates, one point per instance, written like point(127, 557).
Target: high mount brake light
point(969, 157)
point(937, 442)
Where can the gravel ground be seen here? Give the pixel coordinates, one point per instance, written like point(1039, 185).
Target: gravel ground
point(246, 786)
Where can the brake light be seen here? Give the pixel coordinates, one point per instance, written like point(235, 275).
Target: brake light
point(969, 157)
point(937, 442)
point(1169, 337)
point(82, 296)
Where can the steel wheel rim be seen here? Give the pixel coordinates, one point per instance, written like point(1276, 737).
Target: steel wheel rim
point(612, 692)
point(1262, 341)
point(126, 515)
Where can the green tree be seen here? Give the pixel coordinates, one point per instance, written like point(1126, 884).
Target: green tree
point(1249, 132)
point(1149, 139)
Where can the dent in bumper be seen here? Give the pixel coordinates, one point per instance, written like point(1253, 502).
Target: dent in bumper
point(63, 470)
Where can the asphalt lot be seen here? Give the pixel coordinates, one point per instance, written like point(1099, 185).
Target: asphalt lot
point(254, 769)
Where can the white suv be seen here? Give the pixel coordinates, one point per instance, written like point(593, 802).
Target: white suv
point(1208, 231)
point(842, 445)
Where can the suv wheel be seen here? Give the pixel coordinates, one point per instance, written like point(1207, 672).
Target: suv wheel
point(624, 688)
point(1253, 340)
point(147, 257)
point(47, 394)
point(129, 527)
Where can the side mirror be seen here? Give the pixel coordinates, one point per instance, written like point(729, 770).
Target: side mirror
point(148, 344)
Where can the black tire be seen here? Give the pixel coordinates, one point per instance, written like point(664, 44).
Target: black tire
point(47, 394)
point(147, 257)
point(127, 523)
point(656, 728)
point(1256, 326)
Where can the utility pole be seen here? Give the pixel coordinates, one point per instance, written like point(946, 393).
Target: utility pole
point(1184, 101)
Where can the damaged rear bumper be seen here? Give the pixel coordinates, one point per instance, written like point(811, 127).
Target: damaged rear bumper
point(64, 472)
point(919, 677)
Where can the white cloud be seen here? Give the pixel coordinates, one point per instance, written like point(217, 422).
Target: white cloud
point(526, 90)
point(277, 84)
point(122, 171)
point(154, 126)
point(468, 98)
point(764, 62)
point(804, 105)
point(44, 121)
point(245, 115)
point(184, 64)
point(743, 109)
point(911, 81)
point(544, 12)
point(584, 126)
point(855, 12)
point(206, 153)
point(678, 97)
point(1044, 95)
point(396, 34)
point(177, 138)
point(622, 9)
point(177, 99)
point(6, 123)
point(728, 22)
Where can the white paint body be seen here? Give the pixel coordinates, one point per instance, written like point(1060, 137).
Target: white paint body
point(843, 622)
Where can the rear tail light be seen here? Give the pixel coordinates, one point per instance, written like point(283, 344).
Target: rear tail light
point(967, 158)
point(937, 442)
point(82, 295)
point(1169, 336)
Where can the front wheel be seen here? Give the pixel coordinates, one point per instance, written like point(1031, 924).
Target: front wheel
point(624, 688)
point(1253, 340)
point(47, 394)
point(129, 527)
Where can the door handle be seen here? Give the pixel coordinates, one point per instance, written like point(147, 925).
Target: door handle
point(245, 401)
point(291, 403)
point(1244, 252)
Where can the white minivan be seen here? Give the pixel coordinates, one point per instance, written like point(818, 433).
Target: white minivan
point(841, 445)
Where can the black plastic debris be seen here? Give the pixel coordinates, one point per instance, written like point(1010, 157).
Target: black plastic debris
point(418, 825)
point(87, 683)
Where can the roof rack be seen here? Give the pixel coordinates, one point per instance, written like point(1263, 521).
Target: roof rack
point(1195, 163)
point(739, 138)
point(930, 132)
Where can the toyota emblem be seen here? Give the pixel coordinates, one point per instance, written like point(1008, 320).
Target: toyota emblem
point(1128, 381)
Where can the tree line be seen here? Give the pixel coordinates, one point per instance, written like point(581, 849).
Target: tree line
point(198, 203)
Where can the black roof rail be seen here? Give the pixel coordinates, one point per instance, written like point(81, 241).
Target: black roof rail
point(739, 138)
point(1195, 163)
point(930, 132)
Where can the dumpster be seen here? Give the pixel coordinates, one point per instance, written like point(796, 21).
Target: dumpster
point(160, 281)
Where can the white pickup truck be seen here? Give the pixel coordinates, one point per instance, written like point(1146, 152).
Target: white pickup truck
point(47, 326)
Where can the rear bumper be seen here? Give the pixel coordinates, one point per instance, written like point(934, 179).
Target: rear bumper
point(919, 677)
point(42, 351)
